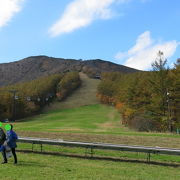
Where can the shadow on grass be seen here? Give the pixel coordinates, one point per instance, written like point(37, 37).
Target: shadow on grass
point(31, 118)
point(27, 164)
point(175, 165)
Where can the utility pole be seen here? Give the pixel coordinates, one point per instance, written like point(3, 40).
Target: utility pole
point(13, 104)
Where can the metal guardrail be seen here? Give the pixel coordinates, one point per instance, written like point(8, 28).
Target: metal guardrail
point(118, 147)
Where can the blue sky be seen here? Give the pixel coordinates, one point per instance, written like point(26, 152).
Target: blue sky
point(128, 32)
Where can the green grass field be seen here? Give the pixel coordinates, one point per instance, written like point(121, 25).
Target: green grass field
point(92, 118)
point(93, 123)
point(37, 167)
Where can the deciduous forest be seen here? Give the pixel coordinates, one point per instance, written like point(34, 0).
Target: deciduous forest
point(25, 99)
point(147, 101)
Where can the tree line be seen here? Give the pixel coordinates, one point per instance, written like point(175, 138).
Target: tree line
point(147, 101)
point(25, 99)
point(69, 83)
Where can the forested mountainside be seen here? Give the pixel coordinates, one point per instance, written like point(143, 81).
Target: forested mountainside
point(38, 66)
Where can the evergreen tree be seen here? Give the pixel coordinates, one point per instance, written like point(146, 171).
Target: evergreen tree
point(159, 84)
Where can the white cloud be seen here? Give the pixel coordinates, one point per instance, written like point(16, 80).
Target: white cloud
point(144, 52)
point(81, 13)
point(8, 8)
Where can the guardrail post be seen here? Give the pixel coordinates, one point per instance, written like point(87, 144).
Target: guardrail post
point(148, 156)
point(92, 152)
point(32, 146)
point(41, 147)
point(86, 151)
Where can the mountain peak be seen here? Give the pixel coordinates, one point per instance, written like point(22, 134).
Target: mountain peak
point(37, 66)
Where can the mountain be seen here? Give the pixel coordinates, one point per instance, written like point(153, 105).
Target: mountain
point(37, 66)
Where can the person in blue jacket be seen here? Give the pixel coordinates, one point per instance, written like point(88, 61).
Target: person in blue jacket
point(11, 138)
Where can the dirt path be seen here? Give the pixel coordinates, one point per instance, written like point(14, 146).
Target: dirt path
point(84, 95)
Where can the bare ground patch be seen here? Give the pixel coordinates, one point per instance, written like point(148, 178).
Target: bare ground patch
point(67, 129)
point(108, 125)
